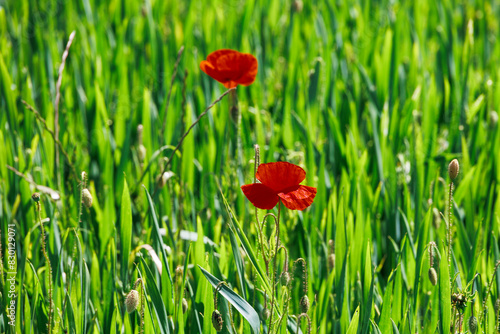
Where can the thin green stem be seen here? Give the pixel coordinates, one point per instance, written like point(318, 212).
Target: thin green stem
point(450, 215)
point(274, 266)
point(47, 260)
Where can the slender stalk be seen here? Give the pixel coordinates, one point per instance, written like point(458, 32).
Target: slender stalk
point(274, 266)
point(167, 164)
point(49, 272)
point(179, 54)
point(58, 98)
point(450, 217)
point(483, 313)
point(58, 142)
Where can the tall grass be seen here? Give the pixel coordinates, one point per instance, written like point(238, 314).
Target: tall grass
point(373, 100)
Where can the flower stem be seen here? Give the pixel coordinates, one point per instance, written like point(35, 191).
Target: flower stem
point(274, 266)
point(450, 217)
point(49, 272)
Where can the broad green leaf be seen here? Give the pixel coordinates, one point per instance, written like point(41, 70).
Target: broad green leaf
point(245, 309)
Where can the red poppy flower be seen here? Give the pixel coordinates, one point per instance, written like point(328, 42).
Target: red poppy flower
point(279, 180)
point(230, 67)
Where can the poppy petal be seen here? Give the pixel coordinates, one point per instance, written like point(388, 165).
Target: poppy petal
point(210, 70)
point(298, 199)
point(260, 196)
point(250, 70)
point(231, 67)
point(280, 175)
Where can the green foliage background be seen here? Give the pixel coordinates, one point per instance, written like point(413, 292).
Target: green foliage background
point(373, 99)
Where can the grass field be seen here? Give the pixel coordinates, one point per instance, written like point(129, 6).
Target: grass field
point(372, 99)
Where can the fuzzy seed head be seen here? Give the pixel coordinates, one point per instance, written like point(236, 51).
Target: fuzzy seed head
point(184, 305)
point(331, 261)
point(266, 313)
point(141, 151)
point(304, 304)
point(497, 305)
point(86, 198)
point(217, 321)
point(36, 197)
point(473, 325)
point(433, 276)
point(132, 301)
point(285, 278)
point(453, 169)
point(436, 219)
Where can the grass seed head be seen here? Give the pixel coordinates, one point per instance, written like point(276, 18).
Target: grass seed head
point(132, 301)
point(453, 169)
point(433, 276)
point(436, 221)
point(184, 305)
point(36, 197)
point(217, 321)
point(304, 304)
point(86, 198)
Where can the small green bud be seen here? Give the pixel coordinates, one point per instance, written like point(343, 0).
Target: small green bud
point(433, 276)
point(266, 313)
point(132, 301)
point(453, 169)
point(304, 304)
point(36, 197)
point(217, 321)
point(331, 261)
point(285, 278)
point(473, 325)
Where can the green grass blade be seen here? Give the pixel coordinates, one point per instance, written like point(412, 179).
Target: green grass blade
point(245, 309)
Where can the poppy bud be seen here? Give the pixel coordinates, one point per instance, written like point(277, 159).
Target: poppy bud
point(285, 278)
point(132, 301)
point(36, 197)
point(184, 305)
point(331, 261)
point(86, 198)
point(473, 325)
point(433, 276)
point(266, 313)
point(304, 304)
point(217, 321)
point(453, 168)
